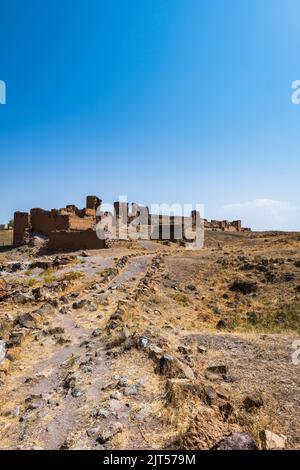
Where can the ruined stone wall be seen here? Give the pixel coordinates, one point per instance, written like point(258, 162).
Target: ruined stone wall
point(21, 224)
point(237, 224)
point(88, 213)
point(77, 223)
point(223, 225)
point(167, 232)
point(47, 221)
point(93, 202)
point(82, 240)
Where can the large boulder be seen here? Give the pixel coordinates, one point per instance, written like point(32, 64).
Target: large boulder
point(236, 441)
point(172, 367)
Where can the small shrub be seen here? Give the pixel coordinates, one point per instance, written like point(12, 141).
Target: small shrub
point(73, 275)
point(48, 276)
point(181, 298)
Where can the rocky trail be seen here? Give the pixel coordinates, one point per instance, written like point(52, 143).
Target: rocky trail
point(57, 383)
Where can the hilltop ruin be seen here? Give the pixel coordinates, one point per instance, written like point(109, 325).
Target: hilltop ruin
point(73, 228)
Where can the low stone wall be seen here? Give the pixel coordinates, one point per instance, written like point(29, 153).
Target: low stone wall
point(81, 240)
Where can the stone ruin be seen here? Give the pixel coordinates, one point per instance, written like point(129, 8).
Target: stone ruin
point(67, 228)
point(71, 228)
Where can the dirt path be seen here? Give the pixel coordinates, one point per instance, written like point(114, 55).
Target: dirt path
point(42, 408)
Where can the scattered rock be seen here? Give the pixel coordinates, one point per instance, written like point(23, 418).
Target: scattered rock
point(201, 349)
point(116, 395)
point(245, 287)
point(252, 402)
point(26, 320)
point(97, 332)
point(236, 441)
point(154, 352)
point(288, 277)
point(191, 287)
point(22, 298)
point(34, 402)
point(131, 390)
point(45, 310)
point(223, 393)
point(123, 382)
point(56, 330)
point(220, 369)
point(184, 350)
point(104, 435)
point(2, 351)
point(92, 307)
point(15, 339)
point(209, 395)
point(142, 342)
point(69, 382)
point(272, 441)
point(101, 413)
point(80, 304)
point(171, 367)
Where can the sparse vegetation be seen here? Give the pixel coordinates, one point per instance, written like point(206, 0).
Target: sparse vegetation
point(72, 276)
point(181, 299)
point(49, 276)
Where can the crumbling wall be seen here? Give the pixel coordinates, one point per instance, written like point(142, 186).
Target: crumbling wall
point(237, 224)
point(71, 219)
point(167, 232)
point(47, 221)
point(78, 223)
point(50, 221)
point(82, 240)
point(21, 225)
point(224, 225)
point(93, 202)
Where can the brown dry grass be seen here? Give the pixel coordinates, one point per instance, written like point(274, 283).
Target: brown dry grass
point(6, 237)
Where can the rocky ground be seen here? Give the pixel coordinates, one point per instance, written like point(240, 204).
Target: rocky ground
point(150, 346)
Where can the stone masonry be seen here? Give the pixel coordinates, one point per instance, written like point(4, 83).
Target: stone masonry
point(73, 228)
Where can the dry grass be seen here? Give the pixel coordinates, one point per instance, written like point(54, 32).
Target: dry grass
point(6, 237)
point(181, 299)
point(72, 276)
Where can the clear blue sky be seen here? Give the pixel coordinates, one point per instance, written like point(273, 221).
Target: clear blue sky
point(161, 100)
